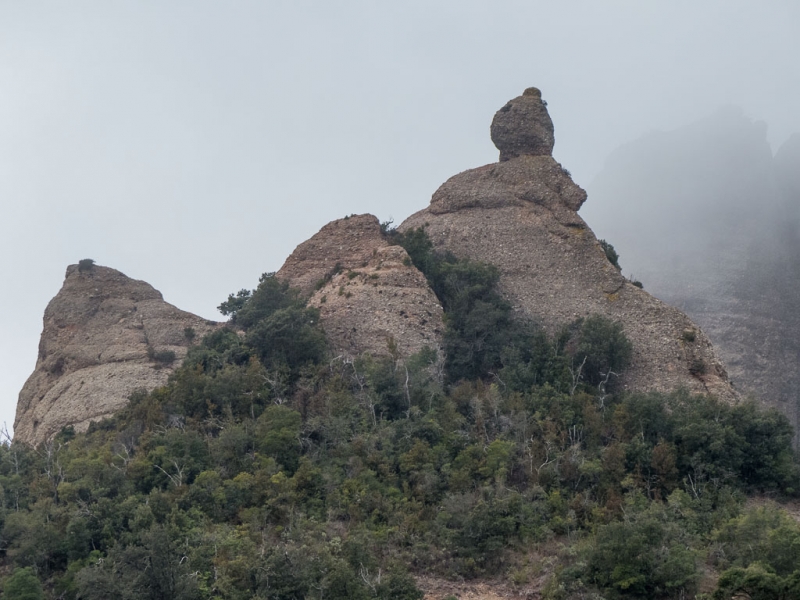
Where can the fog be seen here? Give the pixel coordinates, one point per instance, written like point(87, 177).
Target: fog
point(709, 220)
point(195, 144)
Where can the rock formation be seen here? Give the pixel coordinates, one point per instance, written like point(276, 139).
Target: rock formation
point(523, 127)
point(520, 215)
point(369, 294)
point(105, 336)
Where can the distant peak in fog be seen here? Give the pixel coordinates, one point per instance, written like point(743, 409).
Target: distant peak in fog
point(707, 219)
point(726, 132)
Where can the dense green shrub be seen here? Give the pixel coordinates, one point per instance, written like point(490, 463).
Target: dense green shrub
point(757, 582)
point(162, 357)
point(602, 349)
point(23, 584)
point(85, 265)
point(478, 319)
point(611, 253)
point(642, 557)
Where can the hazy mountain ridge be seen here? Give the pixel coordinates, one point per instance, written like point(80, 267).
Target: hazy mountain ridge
point(708, 219)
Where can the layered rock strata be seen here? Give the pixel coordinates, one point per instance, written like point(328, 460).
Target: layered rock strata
point(371, 298)
point(105, 336)
point(520, 215)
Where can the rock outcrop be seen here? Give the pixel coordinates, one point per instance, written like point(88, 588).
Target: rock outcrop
point(371, 298)
point(105, 336)
point(520, 215)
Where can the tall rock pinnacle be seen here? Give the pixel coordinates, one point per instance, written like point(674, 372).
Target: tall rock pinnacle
point(370, 297)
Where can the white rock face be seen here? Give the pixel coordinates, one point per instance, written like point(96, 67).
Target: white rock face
point(100, 333)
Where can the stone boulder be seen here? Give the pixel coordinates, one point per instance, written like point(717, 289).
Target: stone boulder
point(523, 127)
point(105, 336)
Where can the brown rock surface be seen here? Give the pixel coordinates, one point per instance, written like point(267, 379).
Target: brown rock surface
point(519, 215)
point(374, 295)
point(523, 127)
point(364, 308)
point(346, 243)
point(99, 331)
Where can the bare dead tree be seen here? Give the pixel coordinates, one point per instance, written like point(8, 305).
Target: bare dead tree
point(177, 479)
point(407, 392)
point(601, 387)
point(576, 376)
point(372, 581)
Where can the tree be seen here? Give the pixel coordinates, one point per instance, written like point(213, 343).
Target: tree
point(611, 254)
point(603, 346)
point(23, 585)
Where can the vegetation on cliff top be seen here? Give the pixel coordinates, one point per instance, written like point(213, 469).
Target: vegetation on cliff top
point(267, 469)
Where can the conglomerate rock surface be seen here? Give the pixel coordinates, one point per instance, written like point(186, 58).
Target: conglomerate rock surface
point(523, 127)
point(101, 334)
point(371, 298)
point(520, 215)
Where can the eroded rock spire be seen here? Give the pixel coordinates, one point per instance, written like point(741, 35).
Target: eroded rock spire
point(523, 127)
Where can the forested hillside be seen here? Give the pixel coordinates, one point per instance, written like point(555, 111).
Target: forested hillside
point(269, 468)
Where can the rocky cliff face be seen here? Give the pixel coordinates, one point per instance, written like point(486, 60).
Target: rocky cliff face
point(371, 298)
point(520, 215)
point(105, 336)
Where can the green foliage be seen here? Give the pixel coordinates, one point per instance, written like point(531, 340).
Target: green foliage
point(247, 309)
point(764, 535)
point(600, 348)
point(234, 303)
point(23, 585)
point(162, 357)
point(480, 328)
point(611, 254)
point(644, 555)
point(289, 336)
point(757, 582)
point(85, 265)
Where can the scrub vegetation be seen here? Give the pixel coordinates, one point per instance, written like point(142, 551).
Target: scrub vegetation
point(266, 468)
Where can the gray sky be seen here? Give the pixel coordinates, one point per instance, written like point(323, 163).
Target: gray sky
point(195, 144)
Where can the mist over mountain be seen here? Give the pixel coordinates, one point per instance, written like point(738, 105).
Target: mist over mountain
point(707, 218)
